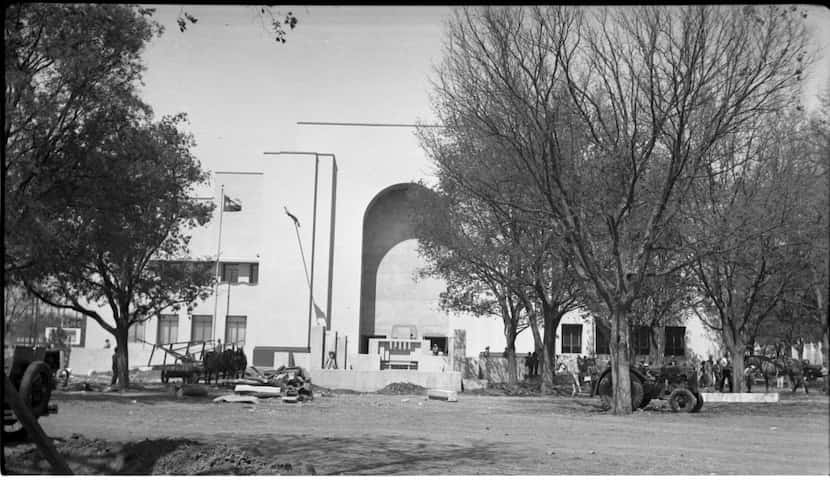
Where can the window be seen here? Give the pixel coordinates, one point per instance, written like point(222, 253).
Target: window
point(168, 329)
point(571, 338)
point(603, 337)
point(675, 341)
point(240, 273)
point(640, 340)
point(201, 327)
point(235, 329)
point(137, 332)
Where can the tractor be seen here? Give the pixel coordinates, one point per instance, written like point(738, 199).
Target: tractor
point(677, 383)
point(32, 371)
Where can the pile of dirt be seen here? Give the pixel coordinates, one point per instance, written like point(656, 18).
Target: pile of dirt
point(523, 388)
point(149, 457)
point(222, 459)
point(403, 388)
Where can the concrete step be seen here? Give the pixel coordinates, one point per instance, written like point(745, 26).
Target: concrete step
point(746, 397)
point(443, 395)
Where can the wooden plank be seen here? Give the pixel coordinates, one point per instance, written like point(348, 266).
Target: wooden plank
point(246, 388)
point(27, 419)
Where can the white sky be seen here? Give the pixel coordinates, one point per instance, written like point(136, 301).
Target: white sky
point(244, 92)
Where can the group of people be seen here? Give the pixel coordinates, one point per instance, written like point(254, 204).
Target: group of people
point(718, 374)
point(531, 364)
point(570, 367)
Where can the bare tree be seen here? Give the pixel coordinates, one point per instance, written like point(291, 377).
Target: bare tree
point(610, 116)
point(750, 215)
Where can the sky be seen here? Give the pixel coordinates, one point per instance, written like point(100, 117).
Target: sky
point(244, 92)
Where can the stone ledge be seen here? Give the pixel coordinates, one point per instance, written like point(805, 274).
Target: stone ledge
point(746, 397)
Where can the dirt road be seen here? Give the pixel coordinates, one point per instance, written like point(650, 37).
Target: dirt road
point(385, 434)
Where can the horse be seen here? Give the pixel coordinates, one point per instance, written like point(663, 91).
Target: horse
point(764, 366)
point(794, 369)
point(213, 365)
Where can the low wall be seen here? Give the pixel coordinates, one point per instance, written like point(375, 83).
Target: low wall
point(370, 381)
point(82, 360)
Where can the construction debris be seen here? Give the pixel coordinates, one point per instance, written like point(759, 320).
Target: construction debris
point(258, 390)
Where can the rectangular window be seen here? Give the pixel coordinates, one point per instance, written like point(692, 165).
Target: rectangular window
point(603, 337)
point(240, 273)
point(571, 338)
point(137, 332)
point(201, 327)
point(168, 329)
point(640, 340)
point(675, 341)
point(235, 329)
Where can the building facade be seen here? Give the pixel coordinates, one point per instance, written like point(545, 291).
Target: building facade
point(320, 237)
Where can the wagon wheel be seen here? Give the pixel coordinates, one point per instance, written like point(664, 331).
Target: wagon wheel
point(605, 391)
point(699, 403)
point(682, 399)
point(36, 387)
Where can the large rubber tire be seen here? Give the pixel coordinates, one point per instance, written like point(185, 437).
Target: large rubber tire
point(13, 432)
point(36, 387)
point(682, 400)
point(605, 391)
point(699, 403)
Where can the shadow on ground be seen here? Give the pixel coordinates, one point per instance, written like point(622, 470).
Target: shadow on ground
point(254, 455)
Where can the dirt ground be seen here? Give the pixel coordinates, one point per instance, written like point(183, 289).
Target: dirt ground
point(151, 431)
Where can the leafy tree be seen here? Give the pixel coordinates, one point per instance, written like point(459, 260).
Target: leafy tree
point(610, 116)
point(116, 253)
point(98, 197)
point(66, 66)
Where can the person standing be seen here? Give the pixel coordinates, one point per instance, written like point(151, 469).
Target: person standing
point(528, 365)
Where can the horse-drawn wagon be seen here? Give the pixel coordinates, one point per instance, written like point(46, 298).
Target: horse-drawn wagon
point(195, 360)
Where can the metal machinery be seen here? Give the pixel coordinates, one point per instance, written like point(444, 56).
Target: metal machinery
point(677, 383)
point(32, 371)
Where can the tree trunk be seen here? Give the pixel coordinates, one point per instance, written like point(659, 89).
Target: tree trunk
point(658, 333)
point(548, 354)
point(510, 354)
point(737, 352)
point(121, 337)
point(620, 374)
point(538, 344)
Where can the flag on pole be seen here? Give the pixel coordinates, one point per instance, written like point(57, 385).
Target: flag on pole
point(320, 315)
point(232, 204)
point(294, 218)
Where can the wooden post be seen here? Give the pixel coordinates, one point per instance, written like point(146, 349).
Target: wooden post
point(24, 415)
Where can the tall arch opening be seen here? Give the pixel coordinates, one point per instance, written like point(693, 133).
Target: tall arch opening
point(393, 303)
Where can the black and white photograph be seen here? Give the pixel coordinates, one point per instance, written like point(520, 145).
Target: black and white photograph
point(416, 241)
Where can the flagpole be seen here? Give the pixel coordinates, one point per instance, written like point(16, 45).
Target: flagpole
point(218, 251)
